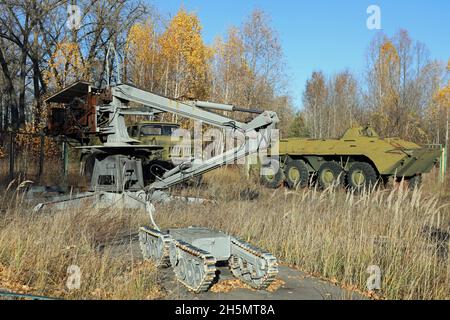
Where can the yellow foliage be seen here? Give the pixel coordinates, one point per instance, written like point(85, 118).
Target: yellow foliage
point(388, 63)
point(143, 55)
point(388, 52)
point(187, 56)
point(387, 71)
point(65, 66)
point(141, 42)
point(232, 54)
point(175, 63)
point(443, 96)
point(28, 142)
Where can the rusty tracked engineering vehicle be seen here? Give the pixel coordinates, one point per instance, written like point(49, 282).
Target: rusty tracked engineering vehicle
point(357, 160)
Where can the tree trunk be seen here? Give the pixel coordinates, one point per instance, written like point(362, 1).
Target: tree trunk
point(12, 117)
point(37, 93)
point(22, 87)
point(447, 129)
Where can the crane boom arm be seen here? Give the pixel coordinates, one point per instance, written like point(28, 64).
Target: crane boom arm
point(100, 112)
point(254, 138)
point(128, 93)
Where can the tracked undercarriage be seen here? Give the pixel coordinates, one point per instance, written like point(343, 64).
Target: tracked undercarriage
point(194, 252)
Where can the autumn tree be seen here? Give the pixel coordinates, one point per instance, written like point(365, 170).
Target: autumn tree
point(314, 103)
point(248, 69)
point(401, 81)
point(230, 69)
point(31, 32)
point(20, 53)
point(186, 57)
point(143, 56)
point(105, 22)
point(341, 108)
point(331, 104)
point(384, 83)
point(264, 56)
point(442, 99)
point(66, 66)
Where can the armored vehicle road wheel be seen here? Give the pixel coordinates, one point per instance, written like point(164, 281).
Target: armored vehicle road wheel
point(330, 173)
point(272, 179)
point(361, 175)
point(296, 173)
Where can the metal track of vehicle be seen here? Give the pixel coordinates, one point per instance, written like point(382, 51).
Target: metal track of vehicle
point(243, 270)
point(194, 268)
point(155, 245)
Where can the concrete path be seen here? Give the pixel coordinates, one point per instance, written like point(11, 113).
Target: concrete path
point(295, 285)
point(292, 284)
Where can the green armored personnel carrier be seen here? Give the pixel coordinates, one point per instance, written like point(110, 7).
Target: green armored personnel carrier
point(359, 159)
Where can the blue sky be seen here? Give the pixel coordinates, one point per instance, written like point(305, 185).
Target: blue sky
point(328, 35)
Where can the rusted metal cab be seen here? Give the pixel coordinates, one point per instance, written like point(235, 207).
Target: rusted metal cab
point(359, 159)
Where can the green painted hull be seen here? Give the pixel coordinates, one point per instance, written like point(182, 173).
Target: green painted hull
point(389, 156)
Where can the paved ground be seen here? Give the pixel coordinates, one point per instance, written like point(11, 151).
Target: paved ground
point(295, 285)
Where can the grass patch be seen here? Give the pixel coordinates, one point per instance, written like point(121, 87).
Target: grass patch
point(337, 234)
point(36, 251)
point(332, 234)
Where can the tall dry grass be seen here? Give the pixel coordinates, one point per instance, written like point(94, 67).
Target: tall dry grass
point(37, 249)
point(337, 234)
point(332, 233)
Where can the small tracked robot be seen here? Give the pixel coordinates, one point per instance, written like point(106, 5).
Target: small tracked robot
point(194, 252)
